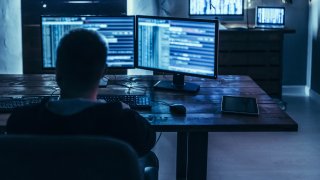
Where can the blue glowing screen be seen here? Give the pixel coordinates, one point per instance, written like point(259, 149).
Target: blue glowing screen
point(270, 15)
point(119, 32)
point(176, 45)
point(216, 7)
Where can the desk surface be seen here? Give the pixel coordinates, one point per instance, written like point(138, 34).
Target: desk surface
point(203, 108)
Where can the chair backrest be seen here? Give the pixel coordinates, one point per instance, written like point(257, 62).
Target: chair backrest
point(67, 157)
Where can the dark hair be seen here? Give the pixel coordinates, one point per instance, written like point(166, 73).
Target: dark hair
point(81, 58)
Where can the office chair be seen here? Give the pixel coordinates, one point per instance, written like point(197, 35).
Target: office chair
point(67, 158)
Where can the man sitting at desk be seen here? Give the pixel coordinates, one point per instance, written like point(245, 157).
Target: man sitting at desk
point(81, 57)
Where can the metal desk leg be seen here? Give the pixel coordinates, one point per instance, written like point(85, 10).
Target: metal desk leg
point(197, 155)
point(181, 171)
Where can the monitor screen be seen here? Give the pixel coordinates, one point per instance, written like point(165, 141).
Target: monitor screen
point(119, 32)
point(270, 15)
point(216, 7)
point(178, 45)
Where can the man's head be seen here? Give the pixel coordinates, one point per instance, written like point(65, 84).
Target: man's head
point(81, 57)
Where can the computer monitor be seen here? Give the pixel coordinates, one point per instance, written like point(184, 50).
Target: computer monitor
point(266, 16)
point(118, 30)
point(216, 7)
point(180, 46)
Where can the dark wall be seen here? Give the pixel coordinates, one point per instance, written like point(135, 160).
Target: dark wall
point(315, 76)
point(296, 45)
point(31, 10)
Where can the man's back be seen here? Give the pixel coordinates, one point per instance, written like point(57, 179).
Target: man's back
point(81, 59)
point(89, 118)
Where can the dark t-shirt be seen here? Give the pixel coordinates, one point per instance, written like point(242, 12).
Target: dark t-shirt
point(100, 119)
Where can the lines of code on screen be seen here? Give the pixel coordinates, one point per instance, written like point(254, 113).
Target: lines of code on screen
point(118, 31)
point(177, 45)
point(268, 15)
point(216, 7)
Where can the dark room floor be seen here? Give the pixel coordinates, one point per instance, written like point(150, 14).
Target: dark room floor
point(259, 156)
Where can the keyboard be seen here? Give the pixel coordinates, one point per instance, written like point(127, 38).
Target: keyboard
point(137, 102)
point(8, 104)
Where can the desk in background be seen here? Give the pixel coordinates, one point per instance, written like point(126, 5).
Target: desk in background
point(203, 111)
point(255, 52)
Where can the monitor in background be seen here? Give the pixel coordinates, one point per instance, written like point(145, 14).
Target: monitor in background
point(270, 17)
point(179, 46)
point(216, 7)
point(119, 31)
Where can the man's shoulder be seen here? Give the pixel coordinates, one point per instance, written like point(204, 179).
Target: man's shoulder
point(24, 116)
point(29, 110)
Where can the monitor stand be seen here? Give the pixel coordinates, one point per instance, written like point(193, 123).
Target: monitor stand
point(177, 84)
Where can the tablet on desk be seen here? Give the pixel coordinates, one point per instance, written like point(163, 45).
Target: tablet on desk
point(239, 105)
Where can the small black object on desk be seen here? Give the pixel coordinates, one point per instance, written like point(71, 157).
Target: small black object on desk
point(178, 109)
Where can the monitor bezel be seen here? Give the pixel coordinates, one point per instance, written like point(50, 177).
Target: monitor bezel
point(115, 16)
point(216, 22)
point(271, 7)
point(223, 16)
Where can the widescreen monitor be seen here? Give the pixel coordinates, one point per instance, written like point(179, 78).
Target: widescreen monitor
point(216, 7)
point(119, 32)
point(179, 46)
point(270, 16)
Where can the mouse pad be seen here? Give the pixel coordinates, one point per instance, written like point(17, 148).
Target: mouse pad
point(239, 105)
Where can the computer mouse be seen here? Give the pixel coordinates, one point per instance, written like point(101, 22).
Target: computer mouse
point(178, 109)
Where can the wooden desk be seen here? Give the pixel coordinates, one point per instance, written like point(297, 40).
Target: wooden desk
point(203, 111)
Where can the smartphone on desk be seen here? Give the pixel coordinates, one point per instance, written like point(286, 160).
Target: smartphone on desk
point(239, 105)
